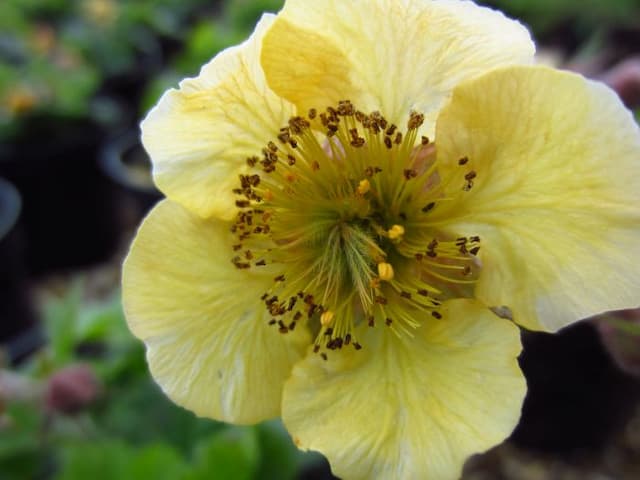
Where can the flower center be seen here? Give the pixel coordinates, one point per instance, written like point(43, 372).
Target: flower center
point(338, 210)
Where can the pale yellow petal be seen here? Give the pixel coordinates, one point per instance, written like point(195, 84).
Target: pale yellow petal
point(391, 56)
point(200, 136)
point(410, 408)
point(556, 200)
point(208, 342)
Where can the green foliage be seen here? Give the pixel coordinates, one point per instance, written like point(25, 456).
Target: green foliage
point(585, 15)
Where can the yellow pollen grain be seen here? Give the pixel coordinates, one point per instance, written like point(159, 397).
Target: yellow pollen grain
point(363, 187)
point(326, 318)
point(385, 271)
point(396, 232)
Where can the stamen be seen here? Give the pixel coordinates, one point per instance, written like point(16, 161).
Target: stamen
point(385, 271)
point(314, 213)
point(396, 232)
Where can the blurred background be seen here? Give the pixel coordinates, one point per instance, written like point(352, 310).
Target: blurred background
point(76, 400)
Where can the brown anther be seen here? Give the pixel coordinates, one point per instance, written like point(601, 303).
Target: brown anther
point(324, 356)
point(272, 321)
point(261, 263)
point(248, 255)
point(424, 140)
point(463, 161)
point(371, 322)
point(470, 176)
point(415, 120)
point(428, 207)
point(272, 146)
point(381, 300)
point(391, 130)
point(398, 139)
point(316, 348)
point(404, 294)
point(474, 250)
point(357, 346)
point(466, 271)
point(436, 315)
point(236, 247)
point(388, 143)
point(388, 322)
point(410, 173)
point(279, 278)
point(251, 161)
point(419, 256)
point(243, 203)
point(423, 292)
point(312, 113)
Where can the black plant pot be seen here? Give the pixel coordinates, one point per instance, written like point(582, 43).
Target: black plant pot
point(17, 314)
point(125, 162)
point(68, 213)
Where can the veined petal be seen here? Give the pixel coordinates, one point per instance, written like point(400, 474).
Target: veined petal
point(199, 136)
point(391, 56)
point(555, 200)
point(208, 343)
point(410, 407)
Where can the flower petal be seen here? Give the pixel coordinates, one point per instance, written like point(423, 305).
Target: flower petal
point(410, 407)
point(205, 328)
point(200, 136)
point(392, 56)
point(556, 200)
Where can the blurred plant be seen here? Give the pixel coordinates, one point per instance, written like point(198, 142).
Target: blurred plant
point(582, 15)
point(55, 55)
point(205, 39)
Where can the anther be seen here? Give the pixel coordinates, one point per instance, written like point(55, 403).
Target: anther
point(415, 120)
point(363, 187)
point(463, 161)
point(326, 318)
point(436, 315)
point(385, 271)
point(396, 232)
point(410, 173)
point(428, 207)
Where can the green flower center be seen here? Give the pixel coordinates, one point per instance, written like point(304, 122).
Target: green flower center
point(338, 210)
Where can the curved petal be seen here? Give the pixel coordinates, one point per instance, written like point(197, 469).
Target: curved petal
point(391, 56)
point(556, 200)
point(410, 407)
point(205, 328)
point(200, 136)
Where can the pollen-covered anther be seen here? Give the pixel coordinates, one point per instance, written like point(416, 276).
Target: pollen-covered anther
point(326, 318)
point(363, 187)
point(396, 232)
point(385, 271)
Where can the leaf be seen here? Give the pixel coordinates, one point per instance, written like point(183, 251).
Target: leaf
point(232, 454)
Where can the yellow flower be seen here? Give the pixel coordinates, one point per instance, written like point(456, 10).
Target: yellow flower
point(351, 194)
